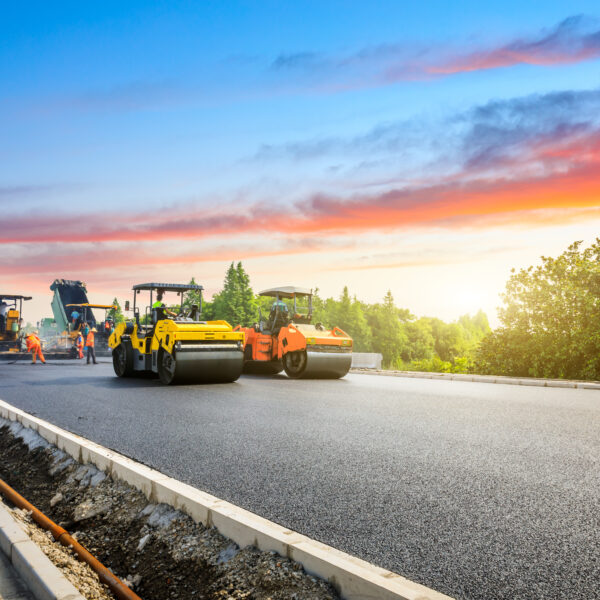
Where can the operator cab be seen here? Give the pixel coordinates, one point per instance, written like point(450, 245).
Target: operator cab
point(157, 310)
point(297, 309)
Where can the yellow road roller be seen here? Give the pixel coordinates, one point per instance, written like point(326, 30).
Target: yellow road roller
point(175, 343)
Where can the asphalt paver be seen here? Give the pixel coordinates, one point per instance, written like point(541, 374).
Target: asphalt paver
point(480, 491)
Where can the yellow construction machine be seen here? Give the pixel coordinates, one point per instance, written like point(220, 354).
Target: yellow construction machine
point(10, 332)
point(176, 344)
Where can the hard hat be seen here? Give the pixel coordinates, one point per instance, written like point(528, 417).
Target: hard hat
point(94, 330)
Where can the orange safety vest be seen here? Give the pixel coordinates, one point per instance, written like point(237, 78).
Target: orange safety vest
point(89, 341)
point(32, 340)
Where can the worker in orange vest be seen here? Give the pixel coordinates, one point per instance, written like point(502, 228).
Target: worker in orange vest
point(89, 344)
point(34, 345)
point(79, 345)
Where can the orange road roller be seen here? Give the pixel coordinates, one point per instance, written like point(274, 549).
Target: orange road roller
point(288, 340)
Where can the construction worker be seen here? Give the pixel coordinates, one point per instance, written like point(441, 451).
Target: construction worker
point(34, 345)
point(158, 305)
point(79, 345)
point(75, 318)
point(89, 344)
point(108, 327)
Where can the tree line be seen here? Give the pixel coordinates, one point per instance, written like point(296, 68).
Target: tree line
point(550, 322)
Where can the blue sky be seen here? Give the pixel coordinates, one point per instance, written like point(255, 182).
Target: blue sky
point(143, 117)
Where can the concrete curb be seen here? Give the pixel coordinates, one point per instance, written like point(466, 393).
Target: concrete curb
point(556, 383)
point(353, 578)
point(38, 572)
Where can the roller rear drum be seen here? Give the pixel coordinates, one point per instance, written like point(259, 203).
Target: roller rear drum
point(317, 365)
point(200, 366)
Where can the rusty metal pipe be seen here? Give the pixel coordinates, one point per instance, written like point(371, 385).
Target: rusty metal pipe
point(116, 586)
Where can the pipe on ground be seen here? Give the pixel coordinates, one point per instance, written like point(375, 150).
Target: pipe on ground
point(117, 587)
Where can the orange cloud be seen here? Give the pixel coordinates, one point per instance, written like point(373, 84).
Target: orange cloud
point(568, 180)
point(574, 40)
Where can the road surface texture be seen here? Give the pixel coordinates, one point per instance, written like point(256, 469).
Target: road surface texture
point(477, 490)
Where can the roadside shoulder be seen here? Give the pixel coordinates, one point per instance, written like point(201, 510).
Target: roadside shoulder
point(557, 383)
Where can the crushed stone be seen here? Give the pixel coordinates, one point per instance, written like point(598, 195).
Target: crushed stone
point(78, 573)
point(159, 552)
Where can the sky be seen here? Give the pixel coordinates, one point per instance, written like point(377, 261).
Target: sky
point(423, 148)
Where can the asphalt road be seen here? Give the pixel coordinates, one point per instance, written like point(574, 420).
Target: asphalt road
point(477, 490)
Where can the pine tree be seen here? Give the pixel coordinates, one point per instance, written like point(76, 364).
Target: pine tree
point(235, 303)
point(388, 336)
point(350, 317)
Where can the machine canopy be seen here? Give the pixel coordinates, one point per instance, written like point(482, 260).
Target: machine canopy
point(288, 291)
point(14, 297)
point(167, 287)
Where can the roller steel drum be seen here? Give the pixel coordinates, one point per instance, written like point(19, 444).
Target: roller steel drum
point(317, 365)
point(200, 366)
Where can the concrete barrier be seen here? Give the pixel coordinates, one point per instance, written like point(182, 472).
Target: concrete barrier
point(366, 360)
point(353, 578)
point(44, 580)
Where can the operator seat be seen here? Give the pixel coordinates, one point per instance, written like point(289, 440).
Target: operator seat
point(278, 317)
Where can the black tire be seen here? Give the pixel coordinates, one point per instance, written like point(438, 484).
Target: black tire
point(166, 366)
point(294, 363)
point(122, 357)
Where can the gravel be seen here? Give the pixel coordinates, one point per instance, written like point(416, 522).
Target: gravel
point(159, 552)
point(78, 573)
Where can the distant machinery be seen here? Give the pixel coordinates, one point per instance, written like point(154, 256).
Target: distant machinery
point(11, 337)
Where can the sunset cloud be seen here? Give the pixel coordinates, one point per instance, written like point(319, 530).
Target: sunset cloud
point(571, 41)
point(569, 180)
point(522, 154)
point(575, 39)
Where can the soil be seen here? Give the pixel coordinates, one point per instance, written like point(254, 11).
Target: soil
point(160, 552)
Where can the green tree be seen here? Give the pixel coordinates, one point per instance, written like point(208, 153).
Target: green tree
point(420, 343)
point(449, 340)
point(235, 303)
point(116, 314)
point(550, 319)
point(349, 316)
point(388, 335)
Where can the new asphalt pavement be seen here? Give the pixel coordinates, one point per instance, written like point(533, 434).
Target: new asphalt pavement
point(480, 491)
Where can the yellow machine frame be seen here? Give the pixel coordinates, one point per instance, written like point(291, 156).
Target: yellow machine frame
point(179, 348)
